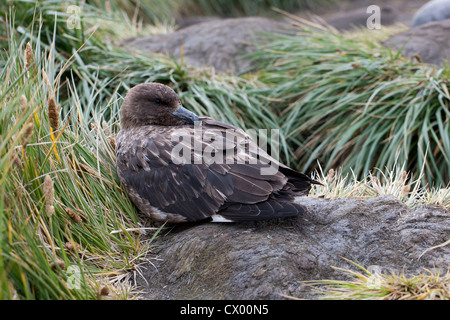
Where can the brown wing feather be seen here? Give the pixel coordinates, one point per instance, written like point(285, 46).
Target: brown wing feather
point(197, 191)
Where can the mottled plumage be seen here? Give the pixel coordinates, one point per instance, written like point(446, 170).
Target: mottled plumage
point(192, 186)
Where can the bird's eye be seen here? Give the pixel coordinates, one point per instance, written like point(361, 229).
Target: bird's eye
point(158, 101)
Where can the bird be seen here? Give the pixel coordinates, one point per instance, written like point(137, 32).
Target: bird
point(179, 167)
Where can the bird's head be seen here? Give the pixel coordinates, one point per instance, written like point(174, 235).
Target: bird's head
point(154, 104)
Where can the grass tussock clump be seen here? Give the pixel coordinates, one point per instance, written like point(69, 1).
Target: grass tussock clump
point(396, 182)
point(354, 103)
point(101, 70)
point(371, 284)
point(67, 228)
point(63, 214)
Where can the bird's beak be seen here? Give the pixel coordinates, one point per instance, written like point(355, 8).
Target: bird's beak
point(185, 114)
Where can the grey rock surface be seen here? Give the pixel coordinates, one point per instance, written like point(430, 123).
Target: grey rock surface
point(219, 43)
point(265, 260)
point(431, 42)
point(358, 17)
point(436, 10)
point(346, 14)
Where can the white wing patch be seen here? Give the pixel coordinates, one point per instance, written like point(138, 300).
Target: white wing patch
point(219, 218)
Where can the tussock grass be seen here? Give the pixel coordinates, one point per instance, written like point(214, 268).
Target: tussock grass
point(353, 103)
point(148, 11)
point(374, 285)
point(61, 204)
point(395, 182)
point(100, 69)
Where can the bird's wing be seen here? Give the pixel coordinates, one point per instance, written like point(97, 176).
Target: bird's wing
point(301, 183)
point(200, 186)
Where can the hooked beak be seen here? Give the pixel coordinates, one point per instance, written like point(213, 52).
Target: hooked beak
point(185, 114)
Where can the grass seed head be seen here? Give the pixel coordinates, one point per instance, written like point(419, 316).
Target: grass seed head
point(112, 142)
point(104, 291)
point(23, 102)
point(417, 57)
point(73, 215)
point(6, 201)
point(405, 190)
point(404, 177)
point(330, 175)
point(28, 131)
point(12, 290)
point(49, 195)
point(93, 127)
point(88, 169)
point(53, 113)
point(15, 159)
point(28, 55)
point(106, 128)
point(72, 246)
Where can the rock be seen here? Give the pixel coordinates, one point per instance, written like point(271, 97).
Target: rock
point(184, 22)
point(358, 17)
point(431, 42)
point(218, 43)
point(265, 260)
point(436, 10)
